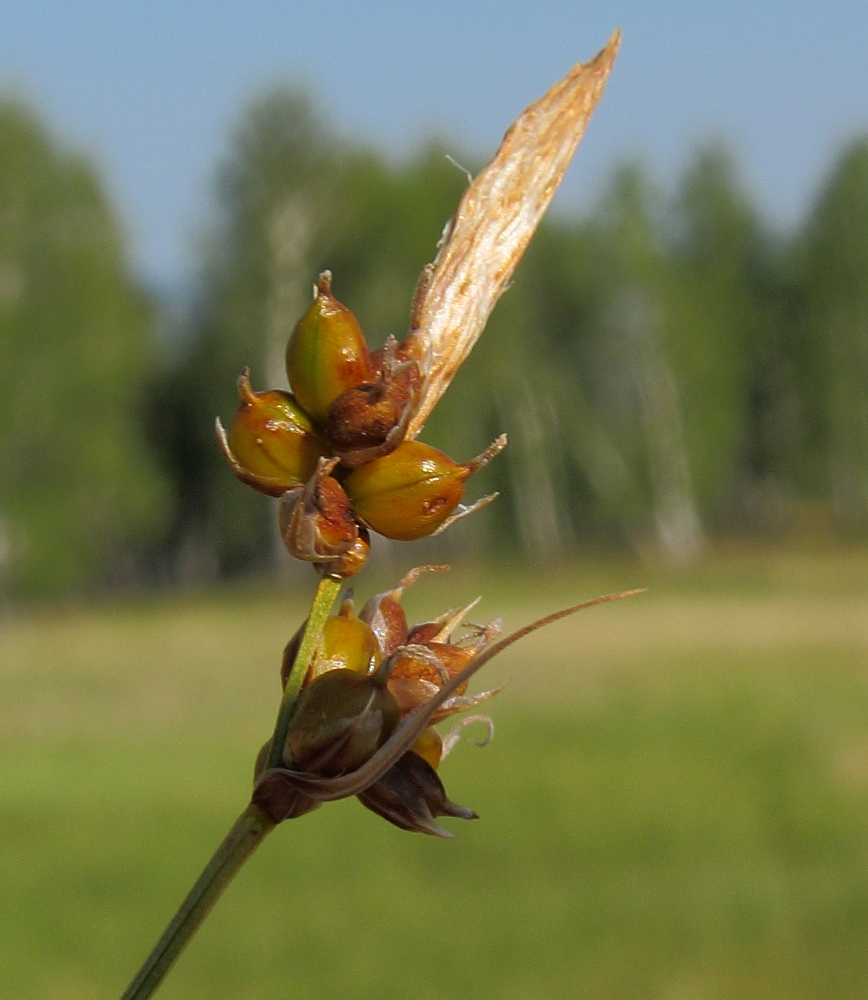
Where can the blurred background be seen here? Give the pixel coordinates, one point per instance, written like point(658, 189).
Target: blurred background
point(676, 804)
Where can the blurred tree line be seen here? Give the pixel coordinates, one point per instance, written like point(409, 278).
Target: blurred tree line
point(81, 493)
point(668, 368)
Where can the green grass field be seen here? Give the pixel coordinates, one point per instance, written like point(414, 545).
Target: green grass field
point(675, 805)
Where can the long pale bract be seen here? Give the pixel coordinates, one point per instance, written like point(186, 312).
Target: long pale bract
point(493, 225)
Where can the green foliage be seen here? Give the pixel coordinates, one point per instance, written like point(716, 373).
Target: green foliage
point(717, 320)
point(77, 486)
point(833, 283)
point(666, 368)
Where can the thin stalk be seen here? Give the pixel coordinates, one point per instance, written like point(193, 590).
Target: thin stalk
point(246, 835)
point(250, 828)
point(324, 598)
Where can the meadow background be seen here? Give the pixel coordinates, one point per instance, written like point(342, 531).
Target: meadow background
point(675, 805)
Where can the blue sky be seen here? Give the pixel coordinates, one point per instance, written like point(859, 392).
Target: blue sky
point(152, 90)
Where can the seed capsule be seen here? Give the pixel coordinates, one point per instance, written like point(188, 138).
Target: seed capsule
point(429, 746)
point(419, 669)
point(352, 561)
point(326, 353)
point(317, 524)
point(347, 642)
point(340, 721)
point(418, 673)
point(414, 491)
point(270, 444)
point(388, 620)
point(370, 420)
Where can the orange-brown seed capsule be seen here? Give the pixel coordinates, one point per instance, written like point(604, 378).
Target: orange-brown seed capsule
point(361, 419)
point(317, 524)
point(350, 643)
point(451, 657)
point(388, 620)
point(370, 420)
point(270, 444)
point(334, 517)
point(429, 746)
point(419, 669)
point(424, 633)
point(352, 561)
point(413, 491)
point(418, 672)
point(326, 353)
point(347, 642)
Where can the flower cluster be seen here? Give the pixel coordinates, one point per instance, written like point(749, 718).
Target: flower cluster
point(363, 692)
point(336, 449)
point(370, 673)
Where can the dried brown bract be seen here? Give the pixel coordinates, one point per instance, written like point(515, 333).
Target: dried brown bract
point(318, 526)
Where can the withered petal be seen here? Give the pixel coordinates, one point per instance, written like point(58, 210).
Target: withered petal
point(451, 739)
point(385, 614)
point(411, 691)
point(463, 702)
point(445, 624)
point(316, 522)
point(410, 795)
point(461, 511)
point(277, 796)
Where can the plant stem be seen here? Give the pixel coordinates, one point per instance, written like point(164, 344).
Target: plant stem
point(325, 596)
point(250, 828)
point(242, 840)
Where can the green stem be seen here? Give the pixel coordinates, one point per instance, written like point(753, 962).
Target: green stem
point(250, 828)
point(242, 840)
point(326, 594)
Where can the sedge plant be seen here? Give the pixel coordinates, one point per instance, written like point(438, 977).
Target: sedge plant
point(363, 692)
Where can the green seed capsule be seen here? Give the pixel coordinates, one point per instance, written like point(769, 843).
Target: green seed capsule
point(409, 493)
point(326, 354)
point(270, 443)
point(429, 746)
point(340, 721)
